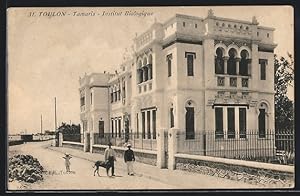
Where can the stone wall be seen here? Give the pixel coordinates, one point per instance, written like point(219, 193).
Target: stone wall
point(140, 155)
point(262, 177)
point(73, 145)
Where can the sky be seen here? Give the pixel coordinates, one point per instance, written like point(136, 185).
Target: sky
point(47, 55)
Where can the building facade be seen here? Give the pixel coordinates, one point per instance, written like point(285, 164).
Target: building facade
point(191, 75)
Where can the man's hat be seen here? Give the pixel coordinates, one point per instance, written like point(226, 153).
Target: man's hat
point(128, 145)
point(67, 154)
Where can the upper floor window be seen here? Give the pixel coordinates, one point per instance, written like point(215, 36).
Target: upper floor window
point(268, 34)
point(183, 24)
point(231, 63)
point(123, 90)
point(243, 66)
point(263, 63)
point(219, 62)
point(91, 98)
point(196, 26)
point(169, 61)
point(190, 56)
point(82, 101)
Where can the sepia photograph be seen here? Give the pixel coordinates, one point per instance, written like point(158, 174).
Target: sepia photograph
point(150, 98)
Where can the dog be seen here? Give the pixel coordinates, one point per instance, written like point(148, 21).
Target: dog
point(104, 164)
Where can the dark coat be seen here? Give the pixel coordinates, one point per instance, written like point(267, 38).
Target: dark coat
point(129, 155)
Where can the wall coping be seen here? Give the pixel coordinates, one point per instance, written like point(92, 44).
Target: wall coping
point(75, 143)
point(253, 164)
point(123, 148)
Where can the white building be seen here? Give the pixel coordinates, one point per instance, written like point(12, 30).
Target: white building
point(190, 75)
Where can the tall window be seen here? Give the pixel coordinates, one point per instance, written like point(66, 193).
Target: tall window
point(190, 123)
point(171, 117)
point(190, 62)
point(262, 123)
point(242, 123)
point(101, 129)
point(112, 128)
point(82, 101)
point(143, 125)
point(148, 125)
point(169, 61)
point(263, 63)
point(111, 97)
point(219, 62)
point(137, 125)
point(219, 122)
point(91, 98)
point(123, 90)
point(154, 123)
point(231, 63)
point(119, 122)
point(243, 69)
point(231, 122)
point(116, 127)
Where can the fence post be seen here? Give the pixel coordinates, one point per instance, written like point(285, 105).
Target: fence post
point(91, 141)
point(160, 162)
point(60, 139)
point(172, 148)
point(86, 141)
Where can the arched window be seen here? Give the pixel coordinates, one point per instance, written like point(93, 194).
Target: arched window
point(219, 62)
point(244, 63)
point(139, 73)
point(144, 61)
point(150, 66)
point(231, 63)
point(190, 120)
point(145, 71)
point(262, 120)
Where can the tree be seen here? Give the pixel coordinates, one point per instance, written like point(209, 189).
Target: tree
point(284, 107)
point(69, 129)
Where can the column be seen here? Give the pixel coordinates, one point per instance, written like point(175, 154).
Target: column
point(149, 71)
point(225, 58)
point(225, 123)
point(172, 148)
point(238, 60)
point(249, 67)
point(237, 122)
point(150, 124)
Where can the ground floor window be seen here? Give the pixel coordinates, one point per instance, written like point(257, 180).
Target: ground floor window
point(148, 124)
point(234, 123)
point(262, 123)
point(190, 123)
point(219, 122)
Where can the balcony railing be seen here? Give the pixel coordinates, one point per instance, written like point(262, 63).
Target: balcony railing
point(231, 81)
point(145, 87)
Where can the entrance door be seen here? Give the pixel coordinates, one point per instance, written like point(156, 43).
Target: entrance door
point(189, 123)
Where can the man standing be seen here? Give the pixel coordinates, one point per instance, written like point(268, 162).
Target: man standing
point(129, 159)
point(110, 157)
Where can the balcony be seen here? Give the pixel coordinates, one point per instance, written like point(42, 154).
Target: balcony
point(145, 87)
point(232, 81)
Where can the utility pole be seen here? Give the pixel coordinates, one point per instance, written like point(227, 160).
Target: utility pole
point(41, 124)
point(55, 113)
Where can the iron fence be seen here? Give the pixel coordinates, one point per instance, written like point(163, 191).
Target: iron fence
point(249, 145)
point(73, 138)
point(137, 140)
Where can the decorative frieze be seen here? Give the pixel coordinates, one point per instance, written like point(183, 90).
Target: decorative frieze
point(231, 42)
